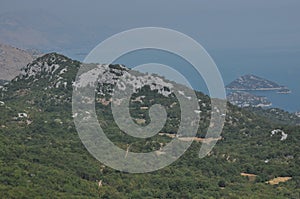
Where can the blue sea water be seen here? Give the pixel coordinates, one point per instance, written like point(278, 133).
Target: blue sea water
point(287, 102)
point(282, 67)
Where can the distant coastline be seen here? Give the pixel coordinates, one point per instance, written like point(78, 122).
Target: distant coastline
point(240, 91)
point(284, 91)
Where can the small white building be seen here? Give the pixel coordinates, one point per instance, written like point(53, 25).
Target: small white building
point(22, 115)
point(197, 111)
point(283, 134)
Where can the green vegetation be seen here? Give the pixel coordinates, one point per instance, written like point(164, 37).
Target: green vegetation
point(42, 156)
point(276, 115)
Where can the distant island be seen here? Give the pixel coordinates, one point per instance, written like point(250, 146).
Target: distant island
point(240, 91)
point(254, 83)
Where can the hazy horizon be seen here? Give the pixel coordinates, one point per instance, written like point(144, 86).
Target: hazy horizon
point(261, 38)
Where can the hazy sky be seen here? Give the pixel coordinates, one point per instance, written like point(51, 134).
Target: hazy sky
point(218, 24)
point(241, 36)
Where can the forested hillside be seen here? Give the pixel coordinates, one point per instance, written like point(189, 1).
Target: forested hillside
point(42, 156)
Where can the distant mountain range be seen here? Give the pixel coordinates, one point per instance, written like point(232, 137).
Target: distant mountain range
point(13, 59)
point(44, 31)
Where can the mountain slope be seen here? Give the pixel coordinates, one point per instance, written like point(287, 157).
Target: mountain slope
point(12, 60)
point(42, 155)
